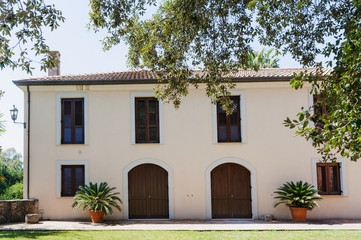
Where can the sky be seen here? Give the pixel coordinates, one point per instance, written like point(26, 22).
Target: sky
point(81, 52)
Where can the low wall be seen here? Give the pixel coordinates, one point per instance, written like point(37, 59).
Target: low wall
point(15, 210)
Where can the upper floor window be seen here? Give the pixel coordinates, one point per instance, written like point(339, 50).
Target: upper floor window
point(319, 106)
point(319, 110)
point(229, 126)
point(146, 120)
point(328, 178)
point(72, 176)
point(72, 121)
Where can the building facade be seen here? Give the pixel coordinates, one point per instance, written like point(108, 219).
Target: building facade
point(190, 163)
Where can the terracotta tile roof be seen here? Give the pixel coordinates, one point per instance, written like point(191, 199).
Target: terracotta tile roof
point(275, 72)
point(144, 77)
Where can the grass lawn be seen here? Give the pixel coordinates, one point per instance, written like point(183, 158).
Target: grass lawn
point(179, 235)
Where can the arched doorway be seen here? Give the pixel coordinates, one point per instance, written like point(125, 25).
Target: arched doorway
point(231, 191)
point(148, 192)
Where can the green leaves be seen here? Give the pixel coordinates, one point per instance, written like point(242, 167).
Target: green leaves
point(299, 194)
point(213, 36)
point(337, 132)
point(97, 198)
point(2, 125)
point(11, 174)
point(302, 122)
point(331, 28)
point(263, 59)
point(21, 30)
point(13, 192)
point(2, 122)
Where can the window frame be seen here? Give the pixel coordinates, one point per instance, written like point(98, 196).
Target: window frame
point(59, 182)
point(58, 118)
point(242, 117)
point(133, 96)
point(147, 124)
point(327, 180)
point(342, 176)
point(318, 110)
point(73, 116)
point(228, 125)
point(72, 180)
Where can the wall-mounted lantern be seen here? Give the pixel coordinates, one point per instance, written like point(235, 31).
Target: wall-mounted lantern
point(14, 115)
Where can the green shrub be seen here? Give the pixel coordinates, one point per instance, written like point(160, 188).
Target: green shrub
point(13, 192)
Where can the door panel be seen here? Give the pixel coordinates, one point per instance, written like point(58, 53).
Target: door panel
point(220, 191)
point(240, 188)
point(231, 191)
point(148, 192)
point(137, 192)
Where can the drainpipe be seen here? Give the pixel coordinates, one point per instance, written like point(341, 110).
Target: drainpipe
point(53, 71)
point(28, 166)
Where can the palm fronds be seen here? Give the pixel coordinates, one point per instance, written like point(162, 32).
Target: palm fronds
point(97, 198)
point(2, 125)
point(299, 194)
point(263, 59)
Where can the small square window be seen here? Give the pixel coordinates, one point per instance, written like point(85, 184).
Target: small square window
point(72, 176)
point(328, 178)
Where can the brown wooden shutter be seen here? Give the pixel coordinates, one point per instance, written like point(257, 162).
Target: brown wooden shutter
point(229, 126)
point(72, 121)
point(146, 120)
point(328, 178)
point(72, 176)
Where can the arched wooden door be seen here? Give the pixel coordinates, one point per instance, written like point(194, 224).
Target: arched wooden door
point(148, 192)
point(231, 191)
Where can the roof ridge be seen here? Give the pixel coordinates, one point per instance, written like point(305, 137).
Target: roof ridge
point(137, 76)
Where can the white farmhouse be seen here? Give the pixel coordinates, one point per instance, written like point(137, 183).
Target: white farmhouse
point(190, 163)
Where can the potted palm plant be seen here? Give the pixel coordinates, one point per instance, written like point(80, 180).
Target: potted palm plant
point(97, 199)
point(300, 197)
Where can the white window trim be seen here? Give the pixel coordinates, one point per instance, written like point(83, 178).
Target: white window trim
point(310, 101)
point(60, 163)
point(60, 96)
point(134, 95)
point(243, 121)
point(343, 175)
point(310, 106)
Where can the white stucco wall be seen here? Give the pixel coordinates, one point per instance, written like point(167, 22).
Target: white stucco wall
point(272, 153)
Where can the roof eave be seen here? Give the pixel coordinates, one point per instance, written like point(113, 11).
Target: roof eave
point(132, 81)
point(82, 82)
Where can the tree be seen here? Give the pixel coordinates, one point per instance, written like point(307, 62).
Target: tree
point(11, 169)
point(2, 126)
point(26, 20)
point(332, 29)
point(211, 35)
point(13, 192)
point(215, 36)
point(263, 59)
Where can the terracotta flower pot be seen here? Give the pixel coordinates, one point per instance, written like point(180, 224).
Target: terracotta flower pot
point(96, 216)
point(298, 214)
